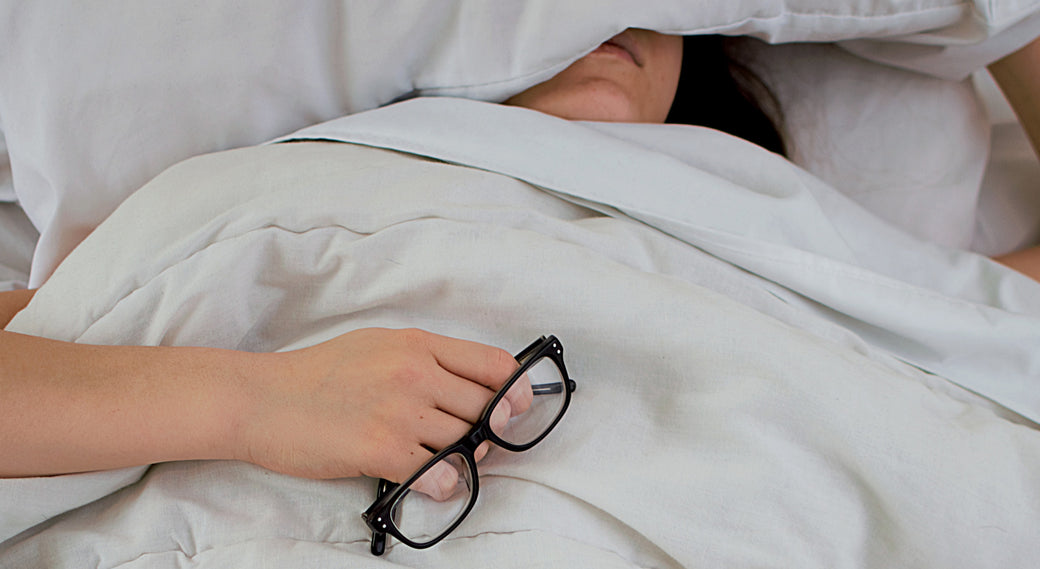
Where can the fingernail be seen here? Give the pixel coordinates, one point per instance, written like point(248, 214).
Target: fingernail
point(500, 416)
point(438, 482)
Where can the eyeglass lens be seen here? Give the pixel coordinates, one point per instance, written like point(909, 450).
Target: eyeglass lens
point(534, 401)
point(421, 517)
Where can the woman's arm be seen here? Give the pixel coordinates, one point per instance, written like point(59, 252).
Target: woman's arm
point(369, 402)
point(1019, 78)
point(12, 302)
point(71, 408)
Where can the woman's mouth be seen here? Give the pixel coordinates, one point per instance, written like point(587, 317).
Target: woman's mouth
point(621, 45)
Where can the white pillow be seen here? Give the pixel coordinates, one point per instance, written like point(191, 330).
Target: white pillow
point(95, 99)
point(910, 148)
point(957, 51)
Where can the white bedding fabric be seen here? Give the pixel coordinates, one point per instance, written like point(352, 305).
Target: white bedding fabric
point(726, 413)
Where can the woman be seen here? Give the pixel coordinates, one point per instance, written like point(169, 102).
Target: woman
point(370, 402)
point(643, 76)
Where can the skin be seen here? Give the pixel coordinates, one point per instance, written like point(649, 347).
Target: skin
point(630, 78)
point(1019, 78)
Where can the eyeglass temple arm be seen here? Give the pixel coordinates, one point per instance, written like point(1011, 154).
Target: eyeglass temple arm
point(552, 388)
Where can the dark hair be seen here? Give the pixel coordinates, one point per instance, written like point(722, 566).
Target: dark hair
point(716, 91)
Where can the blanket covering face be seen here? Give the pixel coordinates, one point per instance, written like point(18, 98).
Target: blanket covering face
point(721, 418)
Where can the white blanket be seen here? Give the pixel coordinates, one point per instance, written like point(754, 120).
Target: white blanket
point(730, 322)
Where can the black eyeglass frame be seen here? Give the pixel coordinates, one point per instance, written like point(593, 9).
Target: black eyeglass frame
point(379, 516)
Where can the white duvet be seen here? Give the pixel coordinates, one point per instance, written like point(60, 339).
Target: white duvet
point(767, 376)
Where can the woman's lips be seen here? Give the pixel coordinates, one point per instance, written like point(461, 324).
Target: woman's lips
point(622, 46)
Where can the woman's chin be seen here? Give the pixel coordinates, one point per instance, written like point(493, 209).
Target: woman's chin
point(603, 105)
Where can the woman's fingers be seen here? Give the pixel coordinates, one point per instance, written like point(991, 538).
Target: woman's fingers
point(440, 430)
point(462, 398)
point(486, 365)
point(443, 479)
point(500, 415)
point(443, 430)
point(438, 482)
point(520, 395)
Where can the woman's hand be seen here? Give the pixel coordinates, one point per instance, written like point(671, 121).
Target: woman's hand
point(371, 402)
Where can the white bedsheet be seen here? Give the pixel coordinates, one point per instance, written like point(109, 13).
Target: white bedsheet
point(730, 332)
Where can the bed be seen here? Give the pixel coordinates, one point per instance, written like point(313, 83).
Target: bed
point(780, 363)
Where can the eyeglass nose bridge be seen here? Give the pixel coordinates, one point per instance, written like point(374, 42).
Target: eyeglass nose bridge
point(476, 437)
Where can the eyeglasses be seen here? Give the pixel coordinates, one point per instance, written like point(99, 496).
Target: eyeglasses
point(536, 396)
